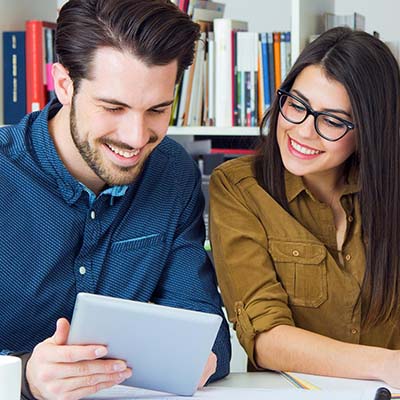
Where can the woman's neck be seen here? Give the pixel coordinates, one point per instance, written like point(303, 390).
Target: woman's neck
point(326, 186)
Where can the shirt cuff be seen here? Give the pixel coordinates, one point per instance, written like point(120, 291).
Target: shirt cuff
point(248, 330)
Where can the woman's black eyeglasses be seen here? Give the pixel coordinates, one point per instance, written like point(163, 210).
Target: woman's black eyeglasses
point(296, 111)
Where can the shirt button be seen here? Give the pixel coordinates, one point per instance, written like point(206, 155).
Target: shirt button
point(350, 218)
point(354, 331)
point(92, 214)
point(295, 253)
point(82, 270)
point(348, 257)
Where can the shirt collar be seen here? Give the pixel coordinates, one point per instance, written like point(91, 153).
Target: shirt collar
point(49, 160)
point(294, 184)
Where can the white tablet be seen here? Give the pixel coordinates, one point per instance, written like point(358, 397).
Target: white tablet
point(167, 348)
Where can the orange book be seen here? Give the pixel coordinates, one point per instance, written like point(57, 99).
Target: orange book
point(277, 58)
point(36, 79)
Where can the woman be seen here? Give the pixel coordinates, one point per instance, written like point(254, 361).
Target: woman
point(306, 234)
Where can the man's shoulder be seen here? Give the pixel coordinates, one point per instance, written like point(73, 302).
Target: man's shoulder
point(237, 169)
point(14, 139)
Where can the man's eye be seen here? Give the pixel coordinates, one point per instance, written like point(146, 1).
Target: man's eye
point(157, 111)
point(112, 109)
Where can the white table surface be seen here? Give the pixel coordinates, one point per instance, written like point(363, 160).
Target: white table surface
point(266, 380)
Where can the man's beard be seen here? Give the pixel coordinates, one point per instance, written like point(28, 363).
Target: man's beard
point(111, 174)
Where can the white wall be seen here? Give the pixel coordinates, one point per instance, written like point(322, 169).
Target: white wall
point(382, 16)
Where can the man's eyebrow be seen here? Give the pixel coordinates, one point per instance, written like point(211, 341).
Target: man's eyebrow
point(331, 110)
point(122, 104)
point(110, 100)
point(163, 104)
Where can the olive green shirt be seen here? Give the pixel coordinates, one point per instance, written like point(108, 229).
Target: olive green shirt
point(276, 268)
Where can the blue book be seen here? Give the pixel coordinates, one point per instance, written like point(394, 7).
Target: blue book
point(265, 71)
point(14, 76)
point(271, 64)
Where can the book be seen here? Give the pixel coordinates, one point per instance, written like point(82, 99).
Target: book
point(277, 58)
point(223, 28)
point(247, 67)
point(265, 72)
point(353, 21)
point(36, 77)
point(14, 88)
point(271, 65)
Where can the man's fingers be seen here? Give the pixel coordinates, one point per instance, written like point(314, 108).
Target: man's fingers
point(209, 369)
point(85, 368)
point(86, 391)
point(91, 381)
point(60, 336)
point(73, 354)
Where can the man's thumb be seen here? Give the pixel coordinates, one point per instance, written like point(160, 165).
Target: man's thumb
point(60, 336)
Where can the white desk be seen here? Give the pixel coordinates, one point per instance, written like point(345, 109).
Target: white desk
point(274, 380)
point(261, 386)
point(262, 380)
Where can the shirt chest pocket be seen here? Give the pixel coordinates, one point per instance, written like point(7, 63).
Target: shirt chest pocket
point(301, 268)
point(137, 243)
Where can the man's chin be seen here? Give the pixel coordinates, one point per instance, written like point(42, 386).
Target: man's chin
point(123, 178)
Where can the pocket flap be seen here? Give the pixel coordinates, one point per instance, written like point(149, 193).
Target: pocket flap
point(296, 252)
point(137, 243)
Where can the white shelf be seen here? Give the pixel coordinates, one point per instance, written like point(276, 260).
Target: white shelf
point(213, 131)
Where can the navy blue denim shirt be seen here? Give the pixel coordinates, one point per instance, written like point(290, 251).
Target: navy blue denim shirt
point(142, 242)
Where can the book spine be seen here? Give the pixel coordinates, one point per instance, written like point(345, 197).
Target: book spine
point(283, 56)
point(14, 89)
point(211, 79)
point(265, 71)
point(277, 58)
point(271, 65)
point(35, 89)
point(49, 34)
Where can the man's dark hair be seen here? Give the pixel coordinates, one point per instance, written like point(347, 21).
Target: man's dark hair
point(155, 31)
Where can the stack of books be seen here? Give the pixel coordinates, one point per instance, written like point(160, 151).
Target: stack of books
point(234, 76)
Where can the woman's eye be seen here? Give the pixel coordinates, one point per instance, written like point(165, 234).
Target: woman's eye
point(297, 106)
point(334, 123)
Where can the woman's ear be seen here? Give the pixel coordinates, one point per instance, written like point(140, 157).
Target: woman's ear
point(63, 84)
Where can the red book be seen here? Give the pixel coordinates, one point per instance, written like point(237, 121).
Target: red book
point(36, 54)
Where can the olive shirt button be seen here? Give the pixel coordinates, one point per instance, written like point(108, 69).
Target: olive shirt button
point(295, 253)
point(348, 257)
point(350, 218)
point(354, 331)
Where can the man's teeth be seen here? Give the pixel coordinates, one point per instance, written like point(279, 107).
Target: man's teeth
point(304, 150)
point(124, 153)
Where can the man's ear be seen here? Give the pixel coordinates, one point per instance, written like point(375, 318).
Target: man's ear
point(63, 84)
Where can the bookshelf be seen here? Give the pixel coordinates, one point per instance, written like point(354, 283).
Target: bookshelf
point(301, 17)
point(13, 16)
point(298, 16)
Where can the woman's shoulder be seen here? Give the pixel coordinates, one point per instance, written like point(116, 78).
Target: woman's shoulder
point(237, 169)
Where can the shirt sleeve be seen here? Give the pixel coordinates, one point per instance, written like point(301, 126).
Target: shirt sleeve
point(189, 280)
point(254, 298)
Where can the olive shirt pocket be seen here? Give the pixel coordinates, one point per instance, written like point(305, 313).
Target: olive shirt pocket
point(301, 268)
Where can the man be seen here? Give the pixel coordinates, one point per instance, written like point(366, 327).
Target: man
point(97, 199)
